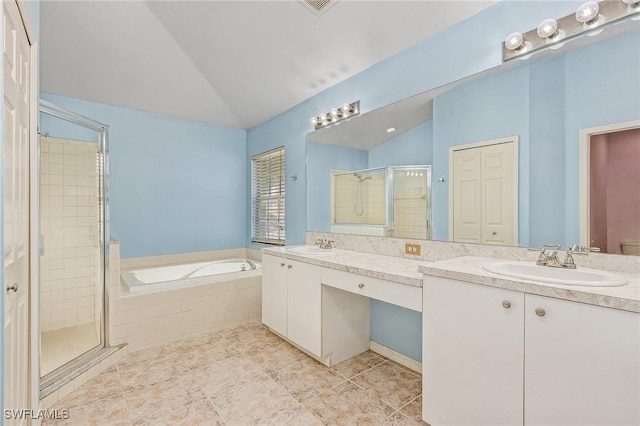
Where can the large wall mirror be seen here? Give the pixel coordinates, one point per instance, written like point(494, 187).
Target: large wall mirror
point(550, 128)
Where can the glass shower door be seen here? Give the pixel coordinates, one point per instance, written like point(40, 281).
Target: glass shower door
point(71, 239)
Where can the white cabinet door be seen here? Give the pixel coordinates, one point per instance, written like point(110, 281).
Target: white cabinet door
point(304, 306)
point(473, 343)
point(274, 293)
point(582, 364)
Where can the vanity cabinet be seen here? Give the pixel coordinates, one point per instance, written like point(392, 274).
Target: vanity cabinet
point(291, 301)
point(324, 320)
point(495, 356)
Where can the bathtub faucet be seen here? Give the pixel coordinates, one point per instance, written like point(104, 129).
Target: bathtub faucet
point(324, 243)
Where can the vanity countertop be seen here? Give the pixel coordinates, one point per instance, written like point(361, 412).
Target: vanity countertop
point(396, 269)
point(469, 269)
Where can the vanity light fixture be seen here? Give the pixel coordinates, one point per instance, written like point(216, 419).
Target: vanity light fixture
point(336, 114)
point(590, 19)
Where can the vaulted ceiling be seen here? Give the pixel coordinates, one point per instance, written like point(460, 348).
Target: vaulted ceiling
point(229, 63)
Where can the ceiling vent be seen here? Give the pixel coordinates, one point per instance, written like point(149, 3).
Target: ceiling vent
point(318, 7)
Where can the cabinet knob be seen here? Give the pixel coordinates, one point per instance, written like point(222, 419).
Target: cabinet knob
point(506, 304)
point(289, 266)
point(540, 312)
point(13, 287)
point(281, 265)
point(361, 285)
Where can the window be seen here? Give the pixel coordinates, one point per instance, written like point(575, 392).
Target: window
point(267, 197)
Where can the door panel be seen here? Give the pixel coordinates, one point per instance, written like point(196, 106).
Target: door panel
point(15, 146)
point(498, 189)
point(467, 225)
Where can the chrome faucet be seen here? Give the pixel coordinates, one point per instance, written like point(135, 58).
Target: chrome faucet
point(549, 255)
point(324, 243)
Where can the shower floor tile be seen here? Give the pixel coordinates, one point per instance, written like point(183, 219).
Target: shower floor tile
point(227, 378)
point(57, 347)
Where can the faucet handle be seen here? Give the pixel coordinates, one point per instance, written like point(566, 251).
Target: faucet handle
point(568, 261)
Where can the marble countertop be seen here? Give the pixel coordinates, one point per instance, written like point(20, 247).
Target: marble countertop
point(396, 269)
point(469, 269)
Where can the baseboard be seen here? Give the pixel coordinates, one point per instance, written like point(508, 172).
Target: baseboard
point(404, 360)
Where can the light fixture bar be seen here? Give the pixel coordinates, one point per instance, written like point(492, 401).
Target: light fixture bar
point(336, 114)
point(552, 34)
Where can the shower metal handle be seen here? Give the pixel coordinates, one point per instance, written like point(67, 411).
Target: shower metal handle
point(13, 287)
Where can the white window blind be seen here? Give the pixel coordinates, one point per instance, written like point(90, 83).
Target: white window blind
point(267, 192)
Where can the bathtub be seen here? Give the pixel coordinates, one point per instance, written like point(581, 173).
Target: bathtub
point(160, 278)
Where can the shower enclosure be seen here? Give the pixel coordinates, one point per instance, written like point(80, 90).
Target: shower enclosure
point(387, 201)
point(73, 225)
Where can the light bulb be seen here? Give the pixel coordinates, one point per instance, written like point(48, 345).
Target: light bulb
point(547, 28)
point(345, 108)
point(391, 129)
point(314, 120)
point(587, 12)
point(323, 117)
point(514, 41)
point(334, 112)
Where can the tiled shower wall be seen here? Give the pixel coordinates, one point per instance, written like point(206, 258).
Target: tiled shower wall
point(410, 205)
point(69, 256)
point(372, 197)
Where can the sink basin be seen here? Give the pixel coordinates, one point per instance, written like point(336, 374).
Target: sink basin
point(310, 250)
point(580, 276)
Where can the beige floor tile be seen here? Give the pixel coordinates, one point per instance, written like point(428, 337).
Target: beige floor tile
point(104, 386)
point(358, 364)
point(244, 375)
point(221, 377)
point(154, 355)
point(306, 378)
point(391, 383)
point(201, 356)
point(413, 410)
point(399, 419)
point(252, 401)
point(108, 411)
point(347, 404)
point(201, 413)
point(296, 416)
point(146, 374)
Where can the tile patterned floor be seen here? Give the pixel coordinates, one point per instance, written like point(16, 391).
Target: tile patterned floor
point(245, 376)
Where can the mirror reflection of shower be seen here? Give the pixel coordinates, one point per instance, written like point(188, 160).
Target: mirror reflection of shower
point(359, 206)
point(71, 239)
point(386, 201)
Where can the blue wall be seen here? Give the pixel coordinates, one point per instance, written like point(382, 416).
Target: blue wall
point(412, 147)
point(467, 48)
point(176, 186)
point(320, 160)
point(601, 87)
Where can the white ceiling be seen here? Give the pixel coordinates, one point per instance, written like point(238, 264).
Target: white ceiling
point(230, 63)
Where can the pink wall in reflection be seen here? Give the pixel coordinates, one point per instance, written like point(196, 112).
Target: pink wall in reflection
point(615, 189)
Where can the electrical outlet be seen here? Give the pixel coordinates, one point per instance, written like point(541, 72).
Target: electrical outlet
point(413, 249)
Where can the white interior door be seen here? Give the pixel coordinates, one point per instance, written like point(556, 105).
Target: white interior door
point(498, 183)
point(467, 196)
point(15, 163)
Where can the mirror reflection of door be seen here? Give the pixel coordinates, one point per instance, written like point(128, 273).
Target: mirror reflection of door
point(484, 191)
point(614, 192)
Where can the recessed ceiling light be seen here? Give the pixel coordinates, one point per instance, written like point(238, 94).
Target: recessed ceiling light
point(391, 129)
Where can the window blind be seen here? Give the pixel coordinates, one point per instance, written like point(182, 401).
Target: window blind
point(267, 193)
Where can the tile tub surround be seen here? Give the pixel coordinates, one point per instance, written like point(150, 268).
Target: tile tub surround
point(469, 269)
point(244, 375)
point(400, 270)
point(433, 251)
point(147, 320)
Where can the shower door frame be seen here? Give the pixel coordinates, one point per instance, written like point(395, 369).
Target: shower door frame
point(103, 135)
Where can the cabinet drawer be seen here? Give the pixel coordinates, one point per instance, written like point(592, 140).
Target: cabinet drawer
point(404, 295)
